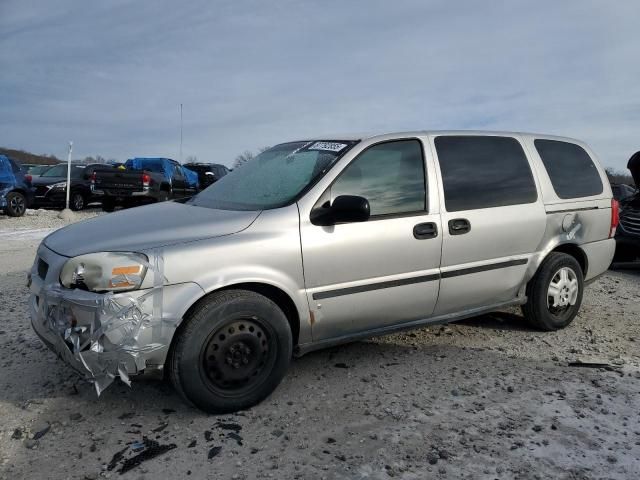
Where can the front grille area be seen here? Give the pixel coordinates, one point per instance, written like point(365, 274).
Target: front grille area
point(41, 190)
point(630, 220)
point(43, 268)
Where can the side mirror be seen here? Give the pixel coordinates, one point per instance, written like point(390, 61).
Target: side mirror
point(344, 209)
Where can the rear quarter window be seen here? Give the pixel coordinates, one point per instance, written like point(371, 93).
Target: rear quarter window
point(571, 171)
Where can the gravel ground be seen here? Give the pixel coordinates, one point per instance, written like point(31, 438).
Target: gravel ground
point(43, 218)
point(484, 398)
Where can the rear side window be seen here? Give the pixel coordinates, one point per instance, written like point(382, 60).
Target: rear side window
point(389, 175)
point(483, 172)
point(571, 170)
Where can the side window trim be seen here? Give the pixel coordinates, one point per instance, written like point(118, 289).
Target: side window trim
point(326, 194)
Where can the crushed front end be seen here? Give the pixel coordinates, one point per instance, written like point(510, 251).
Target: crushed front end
point(104, 335)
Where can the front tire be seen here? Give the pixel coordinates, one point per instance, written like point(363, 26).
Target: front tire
point(77, 202)
point(16, 204)
point(232, 352)
point(554, 294)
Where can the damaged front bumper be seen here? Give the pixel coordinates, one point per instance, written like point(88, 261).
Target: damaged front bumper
point(104, 336)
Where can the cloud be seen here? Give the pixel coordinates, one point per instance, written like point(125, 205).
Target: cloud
point(111, 75)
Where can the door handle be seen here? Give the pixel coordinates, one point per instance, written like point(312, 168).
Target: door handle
point(459, 226)
point(423, 231)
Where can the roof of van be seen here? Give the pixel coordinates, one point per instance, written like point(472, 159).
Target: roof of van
point(413, 133)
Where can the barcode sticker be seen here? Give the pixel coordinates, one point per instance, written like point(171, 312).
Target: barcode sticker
point(330, 146)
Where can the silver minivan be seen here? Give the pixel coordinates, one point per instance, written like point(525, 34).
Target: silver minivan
point(320, 242)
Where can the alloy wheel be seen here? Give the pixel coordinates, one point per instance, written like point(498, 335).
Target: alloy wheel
point(17, 204)
point(563, 290)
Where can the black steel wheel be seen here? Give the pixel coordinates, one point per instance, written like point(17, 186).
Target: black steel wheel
point(232, 351)
point(236, 356)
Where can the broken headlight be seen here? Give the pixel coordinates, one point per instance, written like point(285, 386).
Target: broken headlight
point(105, 272)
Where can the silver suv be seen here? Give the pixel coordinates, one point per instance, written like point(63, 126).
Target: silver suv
point(321, 242)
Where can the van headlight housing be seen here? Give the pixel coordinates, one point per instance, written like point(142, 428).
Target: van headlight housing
point(105, 272)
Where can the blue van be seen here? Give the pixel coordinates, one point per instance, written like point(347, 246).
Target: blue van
point(16, 193)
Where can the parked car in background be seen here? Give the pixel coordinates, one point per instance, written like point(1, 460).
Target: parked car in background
point(628, 233)
point(621, 191)
point(50, 188)
point(324, 241)
point(208, 173)
point(37, 170)
point(143, 180)
point(16, 193)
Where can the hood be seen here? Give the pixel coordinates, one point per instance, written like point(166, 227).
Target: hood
point(634, 168)
point(143, 228)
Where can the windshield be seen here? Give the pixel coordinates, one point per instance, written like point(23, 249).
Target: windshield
point(61, 171)
point(274, 178)
point(38, 170)
point(57, 171)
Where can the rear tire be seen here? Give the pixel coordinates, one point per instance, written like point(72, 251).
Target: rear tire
point(232, 352)
point(16, 204)
point(554, 294)
point(108, 205)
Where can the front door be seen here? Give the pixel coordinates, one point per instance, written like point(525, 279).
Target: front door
point(492, 219)
point(374, 274)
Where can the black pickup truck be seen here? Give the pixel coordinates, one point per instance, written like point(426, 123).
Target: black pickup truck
point(143, 180)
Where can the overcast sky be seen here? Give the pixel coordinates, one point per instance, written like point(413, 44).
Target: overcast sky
point(110, 75)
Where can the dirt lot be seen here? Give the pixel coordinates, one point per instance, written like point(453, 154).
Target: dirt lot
point(485, 398)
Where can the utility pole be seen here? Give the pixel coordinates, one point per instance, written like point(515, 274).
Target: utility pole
point(69, 174)
point(180, 133)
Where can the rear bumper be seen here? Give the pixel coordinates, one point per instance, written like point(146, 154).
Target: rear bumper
point(599, 257)
point(130, 195)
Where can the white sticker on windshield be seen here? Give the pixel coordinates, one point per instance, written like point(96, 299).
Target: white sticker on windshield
point(330, 146)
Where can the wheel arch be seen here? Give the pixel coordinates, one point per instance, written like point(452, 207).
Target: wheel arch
point(273, 293)
point(576, 252)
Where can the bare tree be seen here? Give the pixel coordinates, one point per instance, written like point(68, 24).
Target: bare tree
point(191, 159)
point(246, 156)
point(243, 158)
point(619, 177)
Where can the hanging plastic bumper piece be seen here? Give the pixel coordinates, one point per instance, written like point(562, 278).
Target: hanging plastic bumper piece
point(104, 336)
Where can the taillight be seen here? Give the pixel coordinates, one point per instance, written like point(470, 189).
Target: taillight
point(145, 179)
point(28, 178)
point(93, 177)
point(615, 216)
